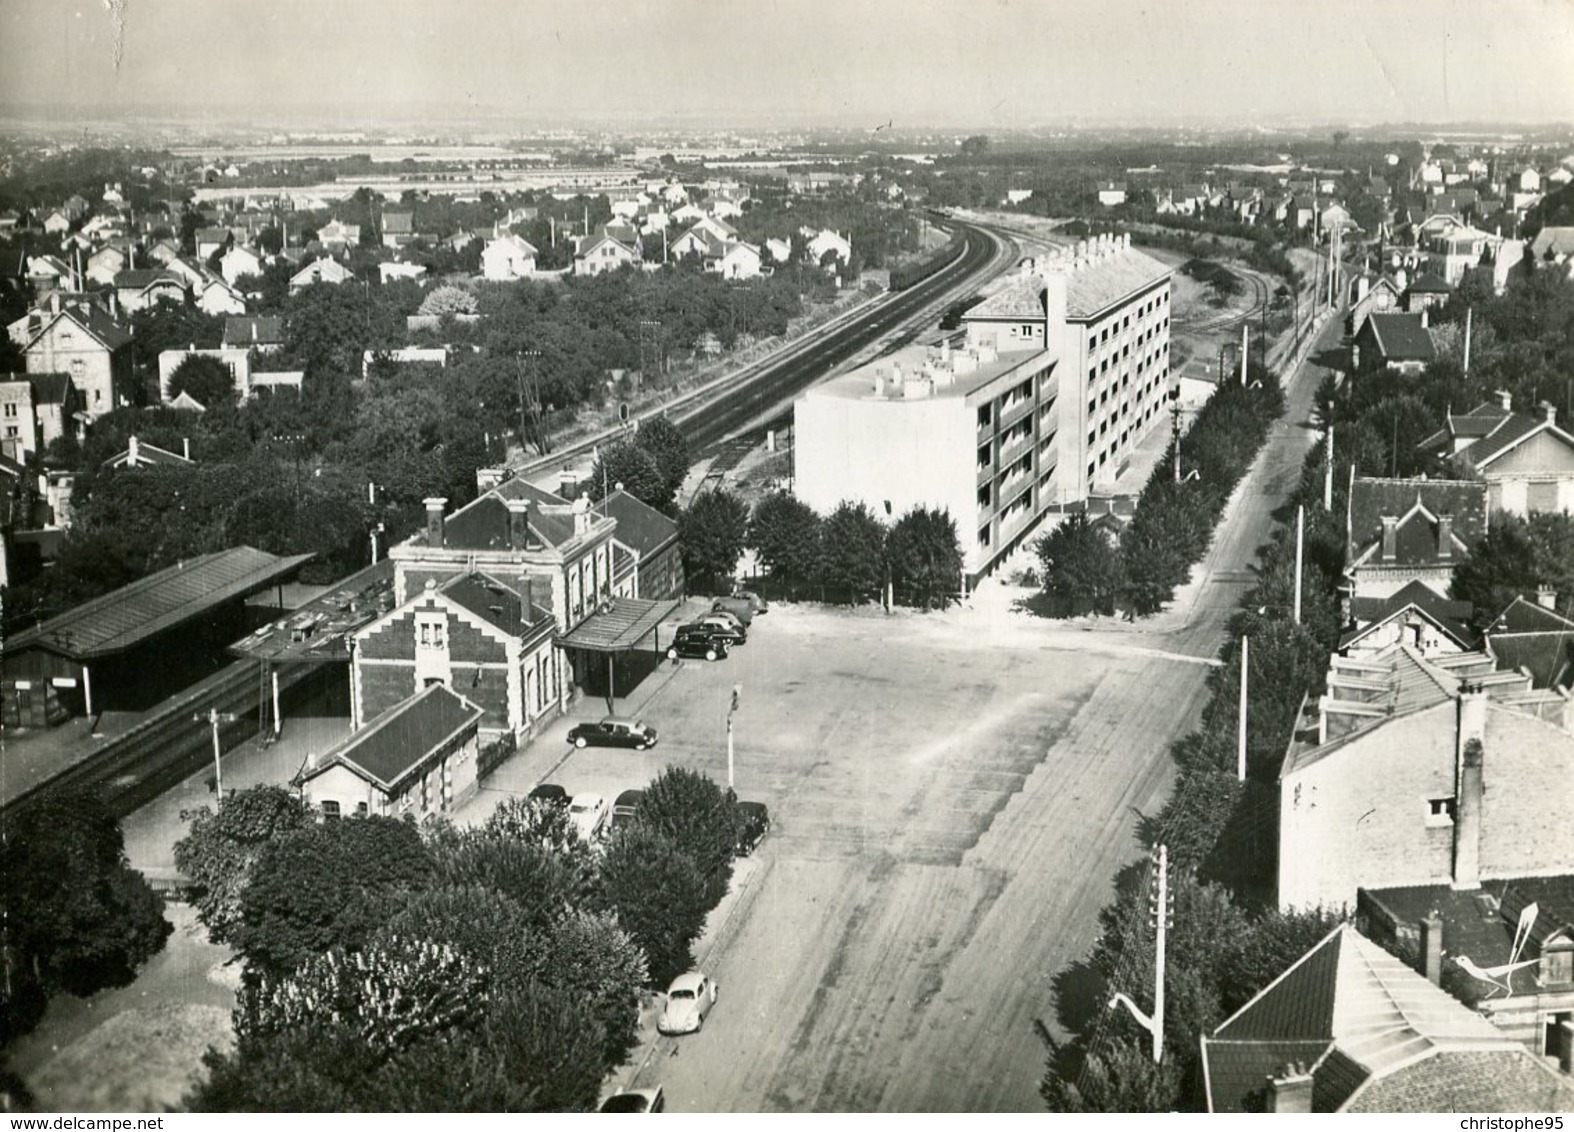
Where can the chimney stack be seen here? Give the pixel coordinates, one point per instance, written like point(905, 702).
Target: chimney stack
point(1549, 412)
point(1290, 1089)
point(1390, 551)
point(1432, 948)
point(1467, 807)
point(434, 519)
point(518, 523)
point(1425, 314)
point(1445, 536)
point(1547, 597)
point(582, 515)
point(132, 452)
point(1505, 400)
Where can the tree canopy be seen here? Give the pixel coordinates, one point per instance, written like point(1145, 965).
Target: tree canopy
point(713, 530)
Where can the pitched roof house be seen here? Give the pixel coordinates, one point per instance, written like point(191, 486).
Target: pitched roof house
point(320, 271)
point(1526, 461)
point(1533, 638)
point(1350, 1028)
point(263, 333)
point(1394, 341)
point(1415, 614)
point(598, 253)
point(508, 257)
point(1405, 530)
point(652, 557)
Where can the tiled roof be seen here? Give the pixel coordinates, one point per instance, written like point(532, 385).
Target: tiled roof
point(497, 603)
point(1418, 503)
point(1100, 286)
point(1401, 337)
point(1449, 617)
point(1527, 638)
point(1022, 298)
point(640, 526)
point(483, 524)
point(1378, 1024)
point(263, 329)
point(104, 330)
point(1559, 240)
point(1526, 616)
point(397, 742)
point(400, 223)
point(144, 277)
point(1427, 283)
point(1514, 430)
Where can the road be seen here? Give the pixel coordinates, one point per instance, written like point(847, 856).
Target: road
point(939, 858)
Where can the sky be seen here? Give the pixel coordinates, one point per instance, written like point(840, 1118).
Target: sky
point(917, 63)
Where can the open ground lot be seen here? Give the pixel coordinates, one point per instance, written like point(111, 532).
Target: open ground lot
point(950, 794)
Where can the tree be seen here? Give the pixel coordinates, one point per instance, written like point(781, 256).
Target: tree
point(448, 299)
point(326, 886)
point(538, 822)
point(713, 530)
point(698, 816)
point(634, 469)
point(975, 145)
point(588, 956)
point(1082, 565)
point(544, 882)
point(218, 853)
point(658, 894)
point(665, 441)
point(852, 551)
point(1517, 556)
point(77, 917)
point(925, 556)
point(205, 378)
point(785, 532)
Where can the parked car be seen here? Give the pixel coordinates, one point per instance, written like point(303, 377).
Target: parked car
point(689, 1000)
point(635, 1100)
point(753, 820)
point(739, 607)
point(625, 804)
point(550, 793)
point(756, 602)
point(588, 813)
point(613, 732)
point(723, 624)
point(698, 640)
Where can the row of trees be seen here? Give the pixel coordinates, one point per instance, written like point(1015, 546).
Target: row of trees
point(499, 968)
point(74, 916)
point(846, 556)
point(1084, 568)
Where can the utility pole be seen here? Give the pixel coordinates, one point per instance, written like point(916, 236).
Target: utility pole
point(1300, 537)
point(1240, 723)
point(1468, 312)
point(213, 717)
point(1246, 329)
point(1161, 913)
point(1175, 429)
point(1328, 473)
point(737, 692)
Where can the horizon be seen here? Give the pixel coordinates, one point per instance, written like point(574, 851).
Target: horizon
point(942, 65)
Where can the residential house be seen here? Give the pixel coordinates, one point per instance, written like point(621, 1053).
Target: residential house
point(485, 638)
point(390, 270)
point(1371, 293)
point(163, 250)
point(1416, 615)
point(84, 342)
point(398, 227)
point(596, 254)
point(213, 294)
point(239, 261)
point(508, 257)
point(416, 760)
point(56, 222)
point(141, 454)
point(262, 333)
point(1397, 342)
point(1112, 193)
point(47, 274)
point(1411, 530)
point(36, 409)
point(826, 241)
point(1533, 638)
point(1425, 292)
point(647, 558)
point(1349, 1028)
point(105, 263)
point(719, 228)
point(780, 251)
point(337, 236)
point(145, 288)
point(1526, 460)
point(1417, 771)
point(1529, 180)
point(211, 240)
point(325, 270)
point(737, 261)
point(18, 420)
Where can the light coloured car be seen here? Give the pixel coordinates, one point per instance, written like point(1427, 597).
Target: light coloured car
point(689, 1000)
point(588, 813)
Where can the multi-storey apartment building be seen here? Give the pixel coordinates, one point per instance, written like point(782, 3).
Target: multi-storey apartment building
point(1059, 376)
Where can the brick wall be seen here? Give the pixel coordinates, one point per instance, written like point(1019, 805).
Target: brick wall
point(390, 639)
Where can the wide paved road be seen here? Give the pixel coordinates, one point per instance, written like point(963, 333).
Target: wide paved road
point(953, 796)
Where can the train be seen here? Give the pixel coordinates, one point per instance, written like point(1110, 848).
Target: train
point(910, 274)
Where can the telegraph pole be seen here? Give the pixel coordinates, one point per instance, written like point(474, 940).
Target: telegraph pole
point(737, 691)
point(1161, 913)
point(213, 717)
point(1175, 429)
point(1328, 473)
point(1300, 538)
point(1240, 724)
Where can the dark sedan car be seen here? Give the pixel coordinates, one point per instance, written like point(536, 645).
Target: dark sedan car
point(613, 732)
point(753, 820)
point(550, 794)
point(694, 640)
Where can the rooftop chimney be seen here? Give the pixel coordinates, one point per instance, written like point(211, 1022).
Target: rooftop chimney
point(1549, 412)
point(568, 485)
point(132, 452)
point(582, 515)
point(1445, 536)
point(1290, 1089)
point(434, 519)
point(1467, 805)
point(518, 523)
point(1424, 316)
point(1547, 597)
point(1390, 550)
point(1432, 948)
point(1505, 400)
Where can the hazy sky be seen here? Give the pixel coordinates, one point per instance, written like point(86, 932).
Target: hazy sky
point(847, 62)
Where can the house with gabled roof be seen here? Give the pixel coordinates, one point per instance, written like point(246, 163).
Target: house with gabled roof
point(240, 260)
point(1413, 770)
point(36, 409)
point(1533, 638)
point(144, 288)
point(1526, 461)
point(1350, 1028)
point(210, 240)
point(599, 253)
point(263, 333)
point(336, 235)
point(647, 557)
point(141, 454)
point(507, 257)
point(1554, 244)
point(105, 263)
point(84, 342)
point(1416, 615)
point(323, 270)
point(1371, 293)
point(398, 227)
point(1406, 530)
point(1426, 290)
point(416, 760)
point(1397, 342)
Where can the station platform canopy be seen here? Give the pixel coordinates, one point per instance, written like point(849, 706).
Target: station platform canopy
point(618, 626)
point(321, 629)
point(124, 619)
